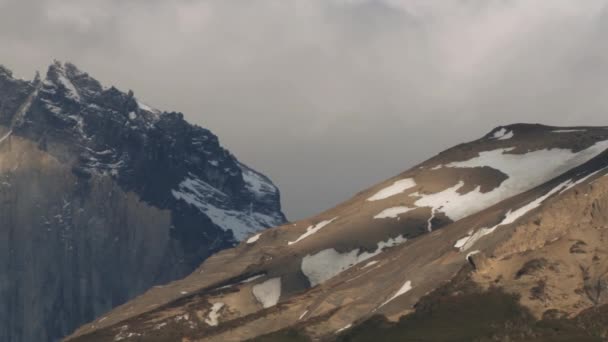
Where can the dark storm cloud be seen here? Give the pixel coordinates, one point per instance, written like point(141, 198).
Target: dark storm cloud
point(330, 96)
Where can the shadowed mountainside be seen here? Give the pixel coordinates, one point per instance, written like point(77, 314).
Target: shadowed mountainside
point(103, 197)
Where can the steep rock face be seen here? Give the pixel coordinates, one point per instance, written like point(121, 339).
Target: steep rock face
point(103, 197)
point(521, 194)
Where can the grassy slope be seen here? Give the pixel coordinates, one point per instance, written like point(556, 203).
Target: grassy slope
point(459, 311)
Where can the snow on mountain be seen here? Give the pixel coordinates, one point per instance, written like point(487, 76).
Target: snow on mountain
point(393, 212)
point(394, 189)
point(313, 229)
point(524, 171)
point(503, 134)
point(328, 263)
point(511, 193)
point(268, 292)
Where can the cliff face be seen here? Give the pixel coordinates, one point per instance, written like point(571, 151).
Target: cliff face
point(498, 239)
point(103, 197)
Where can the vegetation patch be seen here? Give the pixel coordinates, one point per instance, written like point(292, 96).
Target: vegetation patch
point(531, 266)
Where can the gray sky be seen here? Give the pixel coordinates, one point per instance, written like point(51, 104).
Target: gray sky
point(328, 97)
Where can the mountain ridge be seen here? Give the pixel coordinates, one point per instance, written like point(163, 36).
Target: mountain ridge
point(381, 251)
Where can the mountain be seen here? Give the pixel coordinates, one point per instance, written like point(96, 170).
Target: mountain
point(499, 239)
point(103, 197)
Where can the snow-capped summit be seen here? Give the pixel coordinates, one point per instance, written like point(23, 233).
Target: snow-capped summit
point(109, 197)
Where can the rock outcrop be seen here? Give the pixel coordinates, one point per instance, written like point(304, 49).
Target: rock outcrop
point(103, 197)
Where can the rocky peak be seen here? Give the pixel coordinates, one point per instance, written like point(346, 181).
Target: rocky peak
point(102, 141)
point(119, 135)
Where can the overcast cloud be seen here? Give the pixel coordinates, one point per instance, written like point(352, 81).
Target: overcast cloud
point(328, 97)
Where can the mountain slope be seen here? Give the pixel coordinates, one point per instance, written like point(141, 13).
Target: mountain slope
point(104, 197)
point(494, 203)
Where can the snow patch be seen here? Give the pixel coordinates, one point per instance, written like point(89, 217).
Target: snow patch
point(268, 292)
point(371, 263)
point(313, 229)
point(160, 326)
point(568, 130)
point(524, 171)
point(256, 183)
point(6, 136)
point(395, 189)
point(471, 254)
point(344, 328)
point(201, 195)
point(249, 280)
point(254, 238)
point(429, 223)
point(123, 334)
point(213, 317)
point(507, 136)
point(503, 134)
point(573, 184)
point(511, 216)
point(393, 212)
point(328, 263)
point(69, 86)
point(147, 108)
point(407, 287)
point(464, 240)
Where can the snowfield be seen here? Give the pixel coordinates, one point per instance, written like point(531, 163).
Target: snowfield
point(468, 241)
point(203, 196)
point(328, 263)
point(395, 189)
point(213, 317)
point(268, 292)
point(312, 229)
point(525, 171)
point(511, 216)
point(256, 183)
point(407, 287)
point(393, 212)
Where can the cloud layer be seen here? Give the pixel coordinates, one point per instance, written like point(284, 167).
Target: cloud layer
point(330, 96)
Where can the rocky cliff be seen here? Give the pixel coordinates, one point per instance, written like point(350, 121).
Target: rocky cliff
point(103, 197)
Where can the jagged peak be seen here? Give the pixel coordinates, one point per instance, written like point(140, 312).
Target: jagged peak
point(57, 76)
point(72, 70)
point(73, 79)
point(170, 182)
